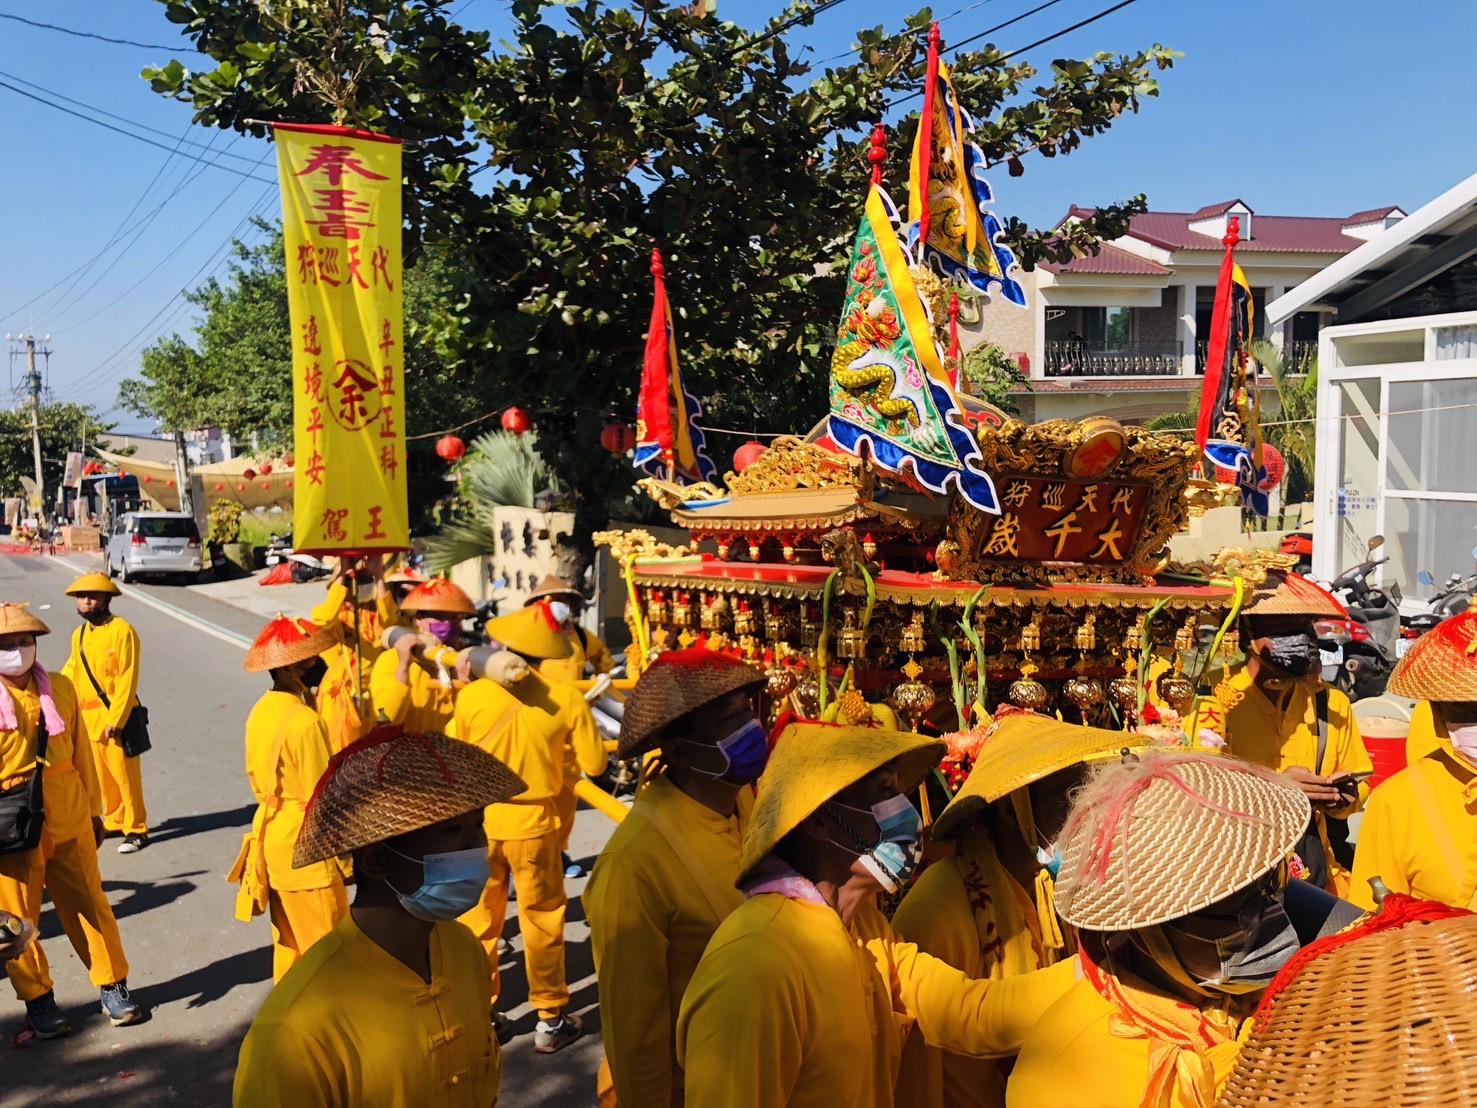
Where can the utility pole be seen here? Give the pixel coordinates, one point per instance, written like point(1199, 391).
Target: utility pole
point(33, 386)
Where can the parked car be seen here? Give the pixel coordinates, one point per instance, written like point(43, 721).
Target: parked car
point(154, 543)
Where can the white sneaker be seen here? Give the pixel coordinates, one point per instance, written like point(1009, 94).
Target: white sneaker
point(549, 1037)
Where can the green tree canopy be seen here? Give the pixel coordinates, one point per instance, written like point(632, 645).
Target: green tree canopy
point(611, 130)
point(64, 428)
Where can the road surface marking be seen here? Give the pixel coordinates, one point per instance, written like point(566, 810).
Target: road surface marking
point(212, 629)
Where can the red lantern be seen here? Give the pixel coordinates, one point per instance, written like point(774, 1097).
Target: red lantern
point(241, 486)
point(266, 486)
point(287, 460)
point(515, 421)
point(747, 455)
point(148, 480)
point(288, 484)
point(249, 474)
point(618, 438)
point(170, 482)
point(219, 487)
point(449, 448)
point(266, 469)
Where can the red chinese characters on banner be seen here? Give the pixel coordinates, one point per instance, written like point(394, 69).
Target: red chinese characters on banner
point(342, 225)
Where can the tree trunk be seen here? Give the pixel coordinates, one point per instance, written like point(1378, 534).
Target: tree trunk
point(182, 473)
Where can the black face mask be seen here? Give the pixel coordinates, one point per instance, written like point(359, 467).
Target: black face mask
point(1295, 655)
point(96, 617)
point(313, 676)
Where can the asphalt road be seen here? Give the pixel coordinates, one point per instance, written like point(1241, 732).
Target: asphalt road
point(200, 972)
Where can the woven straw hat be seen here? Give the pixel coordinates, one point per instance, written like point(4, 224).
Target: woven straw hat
point(1021, 748)
point(552, 586)
point(1441, 665)
point(393, 782)
point(1165, 834)
point(532, 631)
point(812, 762)
point(678, 682)
point(1385, 1013)
point(1288, 594)
point(93, 582)
point(438, 595)
point(16, 619)
point(405, 576)
point(285, 641)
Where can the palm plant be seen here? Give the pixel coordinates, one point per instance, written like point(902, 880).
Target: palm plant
point(1294, 431)
point(501, 470)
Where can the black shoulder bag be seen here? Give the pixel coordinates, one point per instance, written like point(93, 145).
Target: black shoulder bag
point(135, 739)
point(1310, 847)
point(22, 808)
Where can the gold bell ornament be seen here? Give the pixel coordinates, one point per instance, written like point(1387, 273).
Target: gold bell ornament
point(912, 698)
point(1027, 692)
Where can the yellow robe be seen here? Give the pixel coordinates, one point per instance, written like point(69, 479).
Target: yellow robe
point(352, 1025)
point(1421, 739)
point(591, 650)
point(113, 657)
point(1419, 833)
point(649, 925)
point(967, 911)
point(66, 860)
point(1086, 1054)
point(423, 705)
point(790, 1007)
point(1254, 729)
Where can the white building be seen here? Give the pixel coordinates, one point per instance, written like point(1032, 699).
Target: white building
point(1124, 331)
point(1397, 394)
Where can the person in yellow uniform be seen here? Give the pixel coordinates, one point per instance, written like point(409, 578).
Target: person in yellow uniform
point(356, 623)
point(1275, 712)
point(107, 686)
point(1419, 834)
point(287, 751)
point(526, 723)
point(668, 876)
point(64, 861)
point(588, 657)
point(805, 993)
point(407, 687)
point(989, 909)
point(1173, 871)
point(390, 1007)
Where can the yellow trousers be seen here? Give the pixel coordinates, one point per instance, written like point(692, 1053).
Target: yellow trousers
point(300, 919)
point(122, 781)
point(535, 870)
point(565, 804)
point(69, 872)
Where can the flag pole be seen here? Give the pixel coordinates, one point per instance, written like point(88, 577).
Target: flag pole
point(925, 126)
point(1220, 327)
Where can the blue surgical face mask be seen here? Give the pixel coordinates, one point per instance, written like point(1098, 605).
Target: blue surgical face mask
point(451, 883)
point(560, 610)
point(896, 854)
point(745, 752)
point(1051, 860)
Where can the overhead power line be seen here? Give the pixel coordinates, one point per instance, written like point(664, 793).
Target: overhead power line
point(128, 134)
point(87, 34)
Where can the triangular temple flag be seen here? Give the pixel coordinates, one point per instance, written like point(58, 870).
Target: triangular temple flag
point(949, 224)
point(890, 392)
point(669, 441)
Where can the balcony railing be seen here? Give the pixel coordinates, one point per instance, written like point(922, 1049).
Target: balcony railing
point(1298, 356)
point(1075, 358)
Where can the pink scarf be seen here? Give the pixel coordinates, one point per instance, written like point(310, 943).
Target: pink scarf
point(54, 723)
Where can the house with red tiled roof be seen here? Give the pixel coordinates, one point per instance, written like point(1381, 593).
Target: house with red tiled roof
point(1124, 331)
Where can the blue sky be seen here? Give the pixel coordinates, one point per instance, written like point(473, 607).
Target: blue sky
point(1318, 107)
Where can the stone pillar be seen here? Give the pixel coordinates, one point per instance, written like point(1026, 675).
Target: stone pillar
point(1187, 294)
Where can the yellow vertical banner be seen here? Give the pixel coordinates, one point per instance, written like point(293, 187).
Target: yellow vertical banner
point(342, 225)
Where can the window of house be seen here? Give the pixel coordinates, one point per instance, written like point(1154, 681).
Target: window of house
point(1107, 328)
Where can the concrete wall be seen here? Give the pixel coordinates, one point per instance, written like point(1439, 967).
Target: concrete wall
point(1158, 327)
point(1007, 325)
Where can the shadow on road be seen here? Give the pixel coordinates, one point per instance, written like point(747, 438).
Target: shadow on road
point(141, 1076)
point(211, 983)
point(181, 826)
point(139, 897)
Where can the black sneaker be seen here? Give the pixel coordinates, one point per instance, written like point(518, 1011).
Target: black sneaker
point(46, 1019)
point(119, 1007)
point(132, 844)
point(502, 1027)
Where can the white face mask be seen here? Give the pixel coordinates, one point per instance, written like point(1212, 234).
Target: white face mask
point(13, 663)
point(366, 593)
point(560, 610)
point(1465, 741)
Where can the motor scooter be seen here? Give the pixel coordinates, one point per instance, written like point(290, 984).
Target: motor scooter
point(1359, 651)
